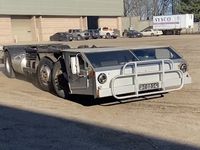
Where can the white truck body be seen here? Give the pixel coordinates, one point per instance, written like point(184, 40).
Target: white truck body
point(171, 22)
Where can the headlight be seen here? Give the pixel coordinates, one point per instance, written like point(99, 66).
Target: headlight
point(183, 67)
point(102, 78)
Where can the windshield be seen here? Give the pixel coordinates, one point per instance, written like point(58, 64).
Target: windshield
point(133, 31)
point(116, 58)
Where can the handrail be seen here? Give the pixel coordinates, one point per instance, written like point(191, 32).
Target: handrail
point(147, 62)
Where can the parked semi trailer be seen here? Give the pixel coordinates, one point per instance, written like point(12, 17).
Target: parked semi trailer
point(173, 24)
point(100, 72)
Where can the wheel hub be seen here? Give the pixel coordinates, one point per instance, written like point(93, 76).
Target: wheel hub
point(45, 74)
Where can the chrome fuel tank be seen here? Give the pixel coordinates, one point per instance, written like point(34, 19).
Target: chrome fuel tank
point(19, 62)
point(17, 54)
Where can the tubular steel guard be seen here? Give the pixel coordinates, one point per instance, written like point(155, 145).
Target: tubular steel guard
point(135, 74)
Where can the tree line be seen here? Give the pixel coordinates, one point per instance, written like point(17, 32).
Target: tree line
point(146, 9)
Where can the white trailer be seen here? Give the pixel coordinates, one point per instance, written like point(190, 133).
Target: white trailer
point(173, 24)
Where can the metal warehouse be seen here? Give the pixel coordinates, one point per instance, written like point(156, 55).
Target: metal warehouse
point(36, 20)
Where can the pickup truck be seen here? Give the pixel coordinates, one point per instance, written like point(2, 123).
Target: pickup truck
point(78, 34)
point(100, 72)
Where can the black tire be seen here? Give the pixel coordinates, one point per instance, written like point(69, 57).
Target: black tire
point(44, 71)
point(9, 71)
point(79, 38)
point(152, 34)
point(51, 38)
point(59, 79)
point(108, 36)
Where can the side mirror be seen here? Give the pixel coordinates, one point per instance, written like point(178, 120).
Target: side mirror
point(75, 67)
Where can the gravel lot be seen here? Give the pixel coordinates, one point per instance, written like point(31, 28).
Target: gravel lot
point(31, 119)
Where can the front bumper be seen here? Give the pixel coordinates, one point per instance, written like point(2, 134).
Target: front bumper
point(128, 85)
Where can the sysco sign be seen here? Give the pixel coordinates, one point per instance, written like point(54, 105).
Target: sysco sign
point(162, 19)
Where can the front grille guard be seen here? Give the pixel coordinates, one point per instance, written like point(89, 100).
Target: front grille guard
point(135, 75)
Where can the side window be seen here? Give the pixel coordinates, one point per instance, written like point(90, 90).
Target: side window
point(166, 53)
point(105, 29)
point(81, 63)
point(163, 54)
point(77, 66)
point(158, 53)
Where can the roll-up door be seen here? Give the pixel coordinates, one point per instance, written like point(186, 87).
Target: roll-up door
point(51, 25)
point(21, 28)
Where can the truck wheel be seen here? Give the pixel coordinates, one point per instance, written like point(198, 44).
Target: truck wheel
point(152, 34)
point(79, 38)
point(59, 81)
point(44, 70)
point(108, 36)
point(9, 71)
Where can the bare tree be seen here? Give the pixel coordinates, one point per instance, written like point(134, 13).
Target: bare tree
point(146, 9)
point(140, 8)
point(164, 6)
point(175, 5)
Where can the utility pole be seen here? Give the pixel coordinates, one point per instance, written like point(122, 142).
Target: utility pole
point(124, 2)
point(173, 7)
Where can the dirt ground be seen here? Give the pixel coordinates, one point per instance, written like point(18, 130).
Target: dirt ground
point(34, 119)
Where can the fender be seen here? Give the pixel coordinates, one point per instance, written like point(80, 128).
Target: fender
point(17, 55)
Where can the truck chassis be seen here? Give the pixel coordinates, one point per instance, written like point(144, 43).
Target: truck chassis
point(97, 71)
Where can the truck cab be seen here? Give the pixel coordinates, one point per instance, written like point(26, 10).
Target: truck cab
point(125, 73)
